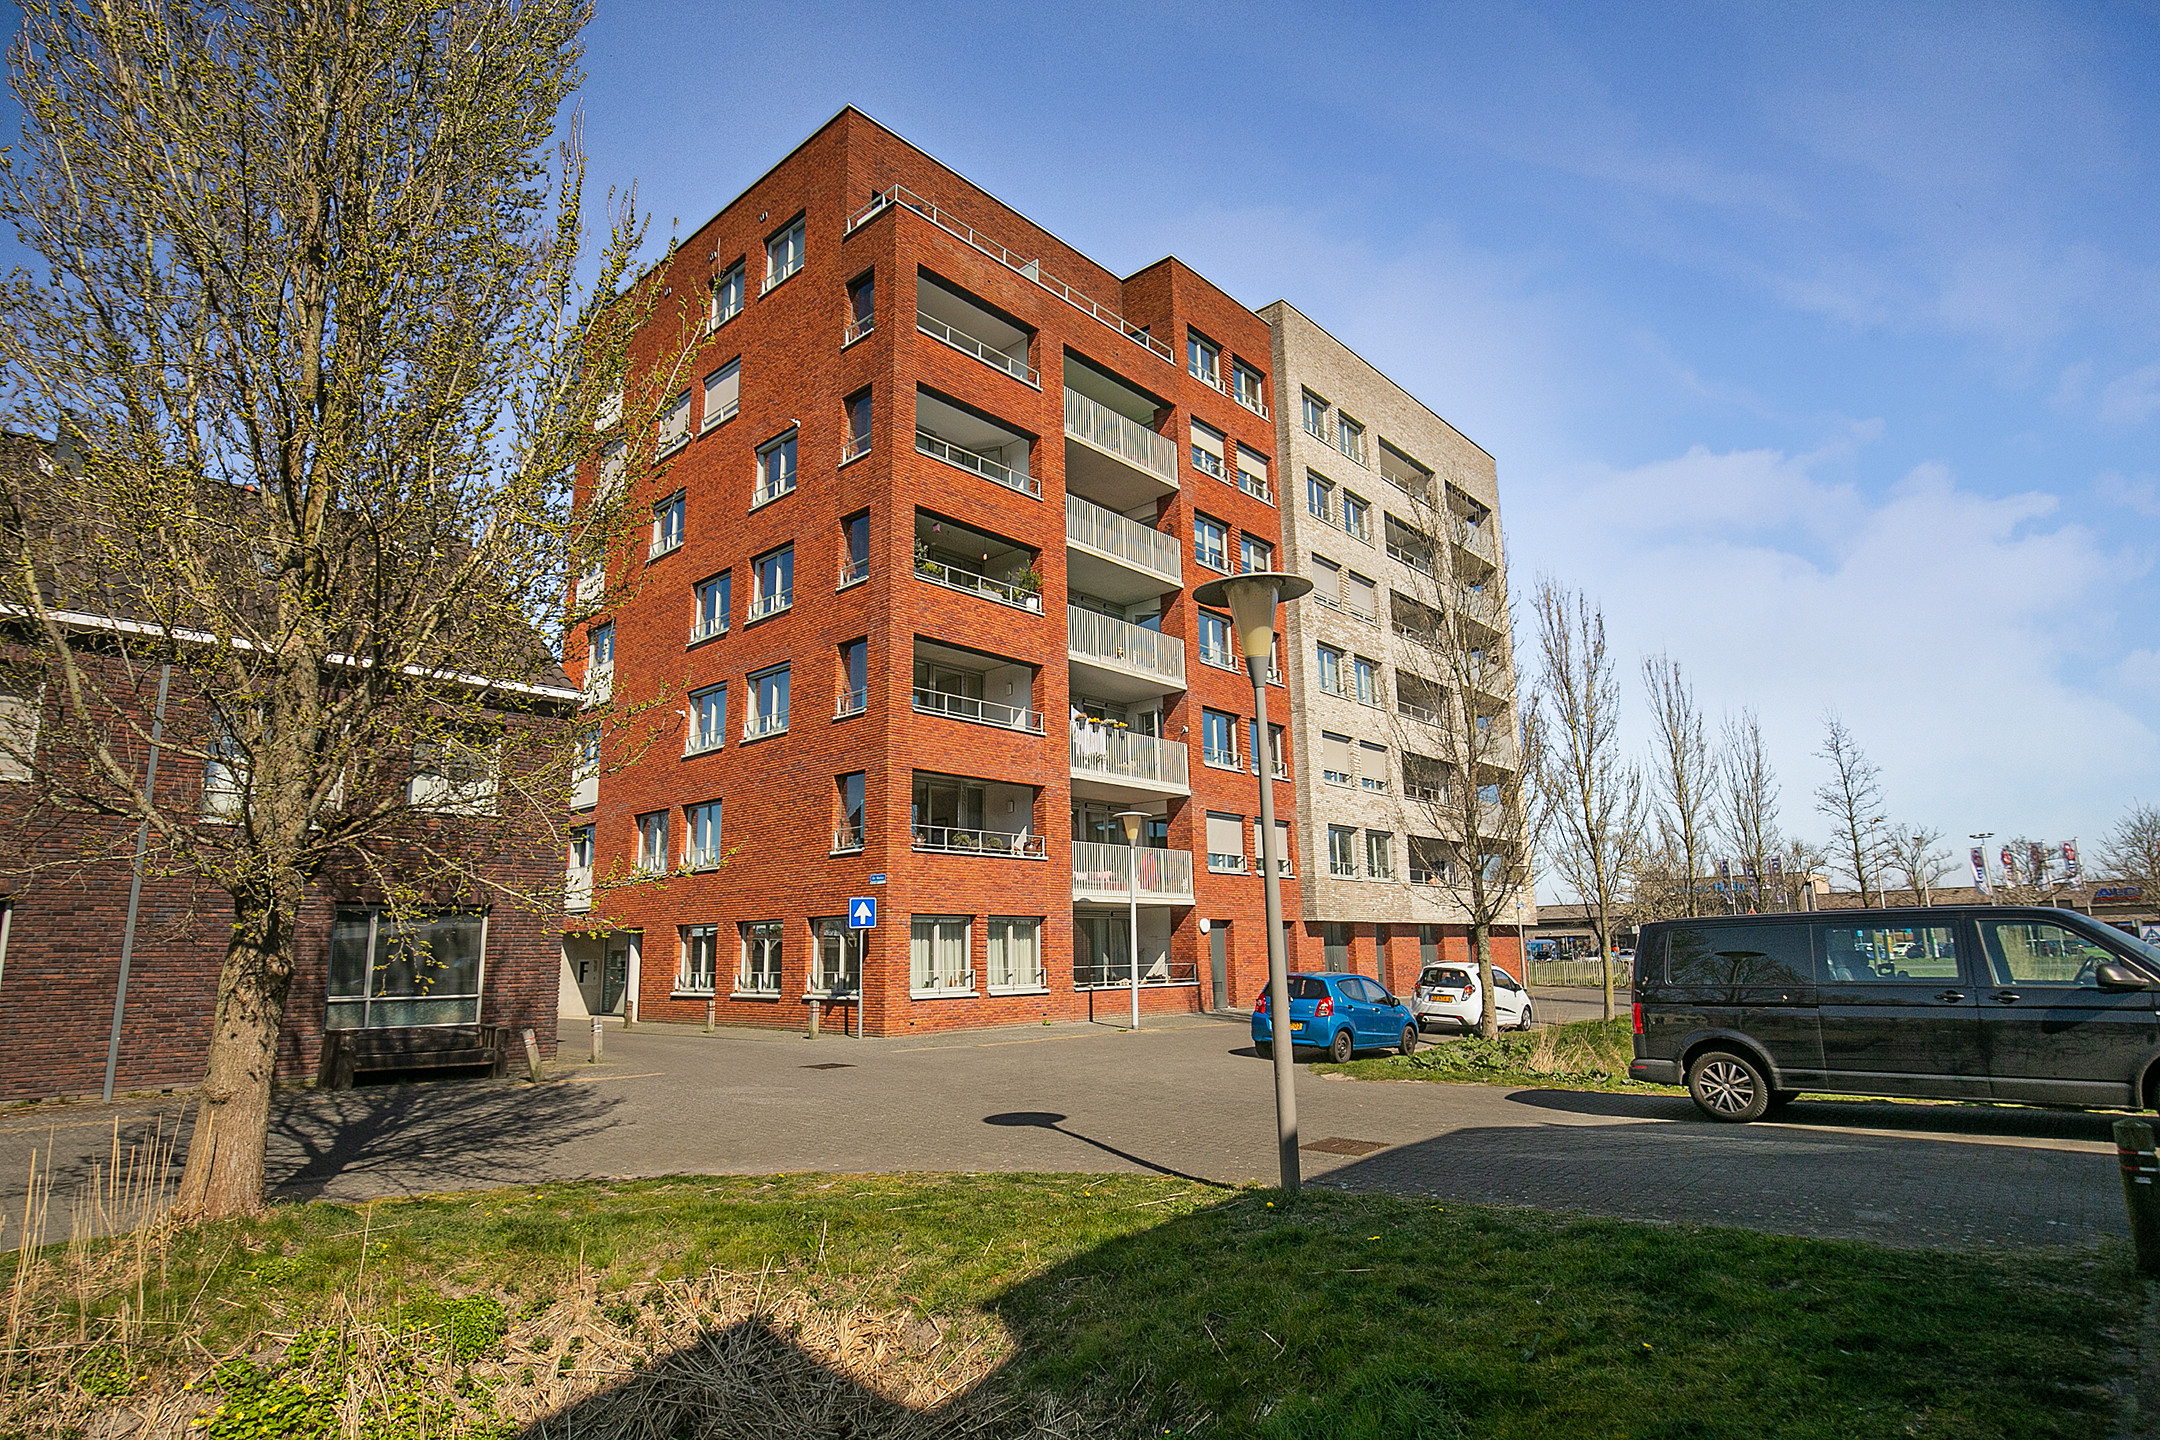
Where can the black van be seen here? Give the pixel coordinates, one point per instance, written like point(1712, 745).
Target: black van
point(1954, 1002)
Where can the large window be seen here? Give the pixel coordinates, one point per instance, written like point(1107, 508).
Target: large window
point(760, 958)
point(775, 469)
point(700, 944)
point(1373, 769)
point(601, 651)
point(1331, 669)
point(1248, 386)
point(701, 848)
point(1203, 358)
point(783, 254)
point(454, 776)
point(225, 779)
point(1342, 852)
point(1208, 452)
point(1320, 496)
point(727, 295)
point(1210, 541)
point(723, 393)
point(667, 525)
point(854, 678)
point(1367, 673)
point(389, 972)
point(675, 423)
point(1015, 957)
point(1356, 517)
point(1315, 416)
point(1215, 640)
point(708, 720)
point(1350, 438)
point(768, 704)
point(848, 834)
point(855, 540)
point(858, 428)
point(1338, 758)
point(772, 577)
point(652, 850)
point(1225, 844)
point(713, 597)
point(1379, 855)
point(1254, 555)
point(938, 954)
point(839, 956)
point(1218, 739)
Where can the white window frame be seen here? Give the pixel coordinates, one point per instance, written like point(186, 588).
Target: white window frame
point(1015, 967)
point(764, 959)
point(674, 426)
point(1308, 404)
point(693, 939)
point(773, 478)
point(1246, 543)
point(1338, 868)
point(708, 817)
point(762, 601)
point(668, 520)
point(652, 853)
point(935, 969)
point(1212, 754)
point(1220, 552)
point(759, 719)
point(711, 600)
point(707, 704)
point(727, 381)
point(1203, 359)
point(729, 294)
point(466, 786)
point(785, 253)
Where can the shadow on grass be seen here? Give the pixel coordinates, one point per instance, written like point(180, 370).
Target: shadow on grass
point(1050, 1120)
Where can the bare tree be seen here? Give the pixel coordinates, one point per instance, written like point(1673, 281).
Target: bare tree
point(1798, 867)
point(1747, 804)
point(2131, 851)
point(1595, 797)
point(1465, 785)
point(308, 334)
point(1683, 780)
point(1915, 852)
point(1852, 801)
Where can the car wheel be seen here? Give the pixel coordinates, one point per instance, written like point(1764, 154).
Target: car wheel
point(1341, 1048)
point(1409, 1039)
point(1525, 1017)
point(1266, 1049)
point(1728, 1087)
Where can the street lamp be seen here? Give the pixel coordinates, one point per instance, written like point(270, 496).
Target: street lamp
point(1987, 882)
point(1251, 601)
point(1132, 820)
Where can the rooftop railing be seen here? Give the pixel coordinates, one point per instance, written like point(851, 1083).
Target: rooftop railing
point(983, 465)
point(1101, 640)
point(1110, 533)
point(1125, 755)
point(1121, 435)
point(967, 344)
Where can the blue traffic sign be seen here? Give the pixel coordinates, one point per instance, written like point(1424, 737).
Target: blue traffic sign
point(862, 913)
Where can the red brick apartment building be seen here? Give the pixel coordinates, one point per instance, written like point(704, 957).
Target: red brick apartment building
point(914, 620)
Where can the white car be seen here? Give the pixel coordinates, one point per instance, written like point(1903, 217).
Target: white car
point(1448, 995)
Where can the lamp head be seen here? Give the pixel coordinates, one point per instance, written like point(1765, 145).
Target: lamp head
point(1132, 820)
point(1251, 601)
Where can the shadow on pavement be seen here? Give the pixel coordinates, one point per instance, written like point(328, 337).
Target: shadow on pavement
point(414, 1139)
point(1050, 1120)
point(2007, 1121)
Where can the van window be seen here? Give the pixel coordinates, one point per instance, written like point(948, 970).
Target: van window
point(1887, 955)
point(1729, 955)
point(2034, 952)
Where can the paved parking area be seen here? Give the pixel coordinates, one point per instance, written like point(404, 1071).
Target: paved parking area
point(1186, 1097)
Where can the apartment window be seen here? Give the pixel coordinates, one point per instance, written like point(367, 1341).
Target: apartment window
point(1226, 844)
point(1248, 386)
point(1252, 474)
point(713, 598)
point(858, 429)
point(1320, 497)
point(854, 678)
point(775, 469)
point(839, 956)
point(701, 845)
point(855, 540)
point(1210, 538)
point(760, 958)
point(783, 254)
point(454, 776)
point(1315, 415)
point(772, 582)
point(1203, 357)
point(581, 848)
point(1218, 738)
point(727, 295)
point(769, 704)
point(652, 845)
point(1208, 452)
point(1338, 758)
point(1215, 648)
point(938, 954)
point(862, 308)
point(388, 973)
point(1254, 556)
point(1428, 863)
point(1342, 856)
point(1015, 956)
point(1327, 582)
point(1350, 438)
point(700, 944)
point(1356, 517)
point(723, 393)
point(1276, 758)
point(1379, 855)
point(601, 647)
point(225, 778)
point(1362, 597)
point(609, 411)
point(667, 525)
point(1372, 767)
point(1331, 670)
point(848, 835)
point(1367, 675)
point(675, 424)
point(614, 460)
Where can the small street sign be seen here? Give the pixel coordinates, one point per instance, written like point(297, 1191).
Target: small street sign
point(878, 878)
point(862, 913)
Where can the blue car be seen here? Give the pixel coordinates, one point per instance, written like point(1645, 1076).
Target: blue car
point(1341, 1014)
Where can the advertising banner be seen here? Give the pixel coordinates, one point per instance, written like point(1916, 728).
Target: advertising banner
point(2071, 868)
point(1980, 875)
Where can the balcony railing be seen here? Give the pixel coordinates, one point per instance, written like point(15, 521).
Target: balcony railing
point(852, 702)
point(577, 888)
point(772, 489)
point(1005, 592)
point(854, 448)
point(1221, 759)
point(1208, 463)
point(857, 330)
point(772, 604)
point(699, 742)
point(662, 545)
point(1125, 755)
point(853, 572)
point(1254, 486)
point(1411, 711)
point(1107, 870)
point(701, 859)
point(1421, 561)
point(1126, 438)
point(977, 712)
point(1219, 658)
point(967, 344)
point(757, 727)
point(1115, 972)
point(1343, 869)
point(1024, 266)
point(1101, 640)
point(948, 840)
point(706, 629)
point(1109, 533)
point(847, 840)
point(1249, 397)
point(1225, 864)
point(982, 465)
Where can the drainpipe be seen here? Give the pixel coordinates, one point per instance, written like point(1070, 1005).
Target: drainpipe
point(142, 846)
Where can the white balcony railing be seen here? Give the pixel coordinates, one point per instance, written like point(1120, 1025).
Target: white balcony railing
point(1412, 711)
point(1129, 440)
point(1108, 533)
point(772, 604)
point(701, 859)
point(857, 330)
point(950, 840)
point(1102, 640)
point(1418, 560)
point(577, 888)
point(1107, 871)
point(977, 712)
point(852, 702)
point(757, 727)
point(706, 629)
point(1126, 755)
point(1219, 658)
point(699, 742)
point(853, 572)
point(1005, 592)
point(967, 344)
point(1225, 864)
point(982, 465)
point(600, 685)
point(847, 840)
point(1254, 486)
point(1221, 759)
point(854, 448)
point(772, 489)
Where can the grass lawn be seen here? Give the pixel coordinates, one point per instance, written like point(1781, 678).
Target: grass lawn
point(1044, 1305)
point(1579, 1055)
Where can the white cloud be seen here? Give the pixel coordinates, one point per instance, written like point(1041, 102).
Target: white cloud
point(2140, 495)
point(2131, 399)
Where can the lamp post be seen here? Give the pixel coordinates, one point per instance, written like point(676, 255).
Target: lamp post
point(1132, 820)
point(1987, 882)
point(1251, 601)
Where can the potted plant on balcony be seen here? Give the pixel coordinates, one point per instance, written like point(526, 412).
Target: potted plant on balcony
point(925, 565)
point(1029, 582)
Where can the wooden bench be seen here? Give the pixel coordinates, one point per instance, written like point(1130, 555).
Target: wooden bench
point(348, 1054)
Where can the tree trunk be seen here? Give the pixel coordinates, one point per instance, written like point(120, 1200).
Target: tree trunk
point(1488, 1014)
point(1604, 956)
point(224, 1173)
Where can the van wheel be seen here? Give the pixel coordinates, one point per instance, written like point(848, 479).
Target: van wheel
point(1728, 1087)
point(1409, 1039)
point(1341, 1048)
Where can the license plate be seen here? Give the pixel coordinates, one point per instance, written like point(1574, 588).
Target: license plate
point(1297, 1024)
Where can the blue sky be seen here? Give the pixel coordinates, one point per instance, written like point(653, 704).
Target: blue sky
point(1821, 344)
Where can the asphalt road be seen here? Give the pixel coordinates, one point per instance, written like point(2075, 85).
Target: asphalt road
point(1186, 1098)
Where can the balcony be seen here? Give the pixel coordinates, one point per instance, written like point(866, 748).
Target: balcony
point(1130, 663)
point(1113, 457)
point(948, 840)
point(961, 436)
point(977, 712)
point(577, 888)
point(1107, 763)
point(983, 465)
point(950, 318)
point(1104, 873)
point(1005, 592)
point(1420, 560)
point(1116, 558)
point(1116, 974)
